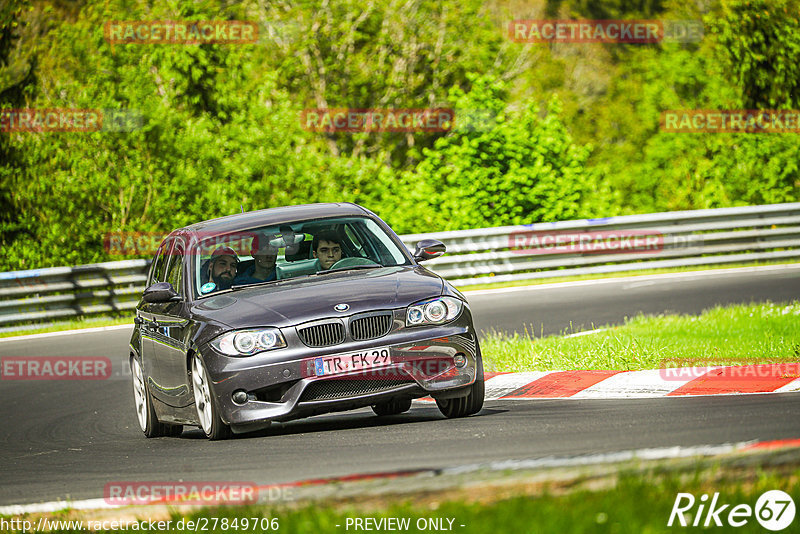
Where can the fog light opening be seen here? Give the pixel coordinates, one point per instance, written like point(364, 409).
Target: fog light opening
point(240, 396)
point(460, 360)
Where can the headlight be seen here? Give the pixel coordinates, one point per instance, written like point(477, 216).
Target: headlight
point(244, 342)
point(414, 316)
point(436, 311)
point(248, 342)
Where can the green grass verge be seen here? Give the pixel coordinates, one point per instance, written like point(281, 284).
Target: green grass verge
point(732, 335)
point(635, 505)
point(626, 503)
point(600, 276)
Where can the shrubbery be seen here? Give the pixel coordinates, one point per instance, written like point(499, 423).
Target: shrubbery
point(538, 136)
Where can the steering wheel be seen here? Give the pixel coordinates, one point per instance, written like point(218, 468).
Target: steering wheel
point(351, 262)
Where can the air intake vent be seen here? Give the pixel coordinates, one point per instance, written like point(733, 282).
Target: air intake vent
point(322, 334)
point(370, 326)
point(339, 389)
point(467, 340)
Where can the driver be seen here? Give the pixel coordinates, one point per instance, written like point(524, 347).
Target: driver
point(327, 247)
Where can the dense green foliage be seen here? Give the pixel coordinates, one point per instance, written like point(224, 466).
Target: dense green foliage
point(543, 132)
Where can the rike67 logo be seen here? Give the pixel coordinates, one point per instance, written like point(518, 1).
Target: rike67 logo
point(774, 510)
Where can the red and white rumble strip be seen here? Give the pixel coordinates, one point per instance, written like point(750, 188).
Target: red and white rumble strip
point(674, 382)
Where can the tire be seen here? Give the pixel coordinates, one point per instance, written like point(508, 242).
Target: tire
point(143, 402)
point(173, 431)
point(469, 404)
point(392, 407)
point(207, 413)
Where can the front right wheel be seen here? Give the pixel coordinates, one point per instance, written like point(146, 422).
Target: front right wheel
point(469, 404)
point(210, 421)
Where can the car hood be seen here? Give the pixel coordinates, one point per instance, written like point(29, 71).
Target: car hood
point(307, 299)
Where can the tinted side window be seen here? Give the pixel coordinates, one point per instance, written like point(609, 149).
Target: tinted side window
point(153, 265)
point(174, 274)
point(160, 263)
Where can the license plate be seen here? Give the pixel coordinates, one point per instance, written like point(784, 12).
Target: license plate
point(353, 361)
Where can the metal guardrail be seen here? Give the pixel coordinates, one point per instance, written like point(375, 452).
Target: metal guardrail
point(509, 253)
point(67, 292)
point(681, 239)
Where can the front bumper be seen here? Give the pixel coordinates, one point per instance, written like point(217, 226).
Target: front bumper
point(282, 384)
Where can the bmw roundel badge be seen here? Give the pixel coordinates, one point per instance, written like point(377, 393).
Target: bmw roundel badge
point(341, 307)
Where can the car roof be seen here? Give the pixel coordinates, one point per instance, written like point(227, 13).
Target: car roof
point(272, 216)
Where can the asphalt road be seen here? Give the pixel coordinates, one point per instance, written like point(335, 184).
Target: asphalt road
point(68, 439)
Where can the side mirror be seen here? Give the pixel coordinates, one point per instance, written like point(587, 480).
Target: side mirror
point(428, 249)
point(160, 292)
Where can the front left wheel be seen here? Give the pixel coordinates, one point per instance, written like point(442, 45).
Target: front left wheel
point(210, 422)
point(469, 404)
point(145, 413)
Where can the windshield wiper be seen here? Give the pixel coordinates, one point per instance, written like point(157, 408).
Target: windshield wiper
point(265, 282)
point(255, 284)
point(234, 287)
point(351, 268)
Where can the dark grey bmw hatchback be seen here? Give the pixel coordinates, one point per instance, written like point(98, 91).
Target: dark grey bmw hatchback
point(290, 312)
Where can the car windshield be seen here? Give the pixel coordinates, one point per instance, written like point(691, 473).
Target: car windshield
point(277, 253)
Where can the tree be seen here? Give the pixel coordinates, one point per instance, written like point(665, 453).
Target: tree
point(17, 79)
point(759, 43)
point(505, 167)
point(386, 54)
